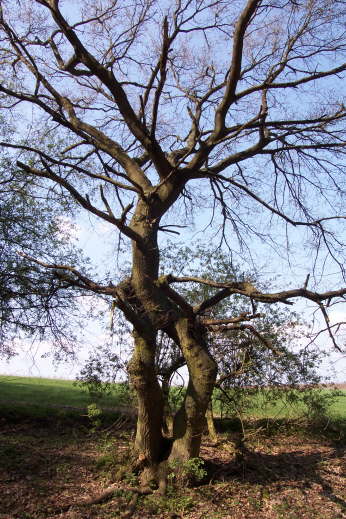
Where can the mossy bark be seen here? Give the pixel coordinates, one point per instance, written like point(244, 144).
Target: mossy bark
point(148, 442)
point(167, 416)
point(189, 421)
point(210, 423)
point(153, 310)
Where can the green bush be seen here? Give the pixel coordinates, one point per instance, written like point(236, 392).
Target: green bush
point(190, 471)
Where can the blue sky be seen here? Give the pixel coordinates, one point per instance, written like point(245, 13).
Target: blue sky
point(94, 238)
point(271, 261)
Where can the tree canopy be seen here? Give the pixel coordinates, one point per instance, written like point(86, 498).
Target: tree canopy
point(32, 224)
point(147, 111)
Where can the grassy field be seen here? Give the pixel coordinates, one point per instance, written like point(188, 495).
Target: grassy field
point(42, 391)
point(49, 467)
point(36, 395)
point(290, 404)
point(41, 396)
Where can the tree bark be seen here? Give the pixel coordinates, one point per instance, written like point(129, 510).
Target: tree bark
point(141, 368)
point(167, 416)
point(154, 310)
point(189, 421)
point(160, 313)
point(210, 422)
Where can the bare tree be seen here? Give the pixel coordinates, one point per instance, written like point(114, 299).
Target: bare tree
point(153, 107)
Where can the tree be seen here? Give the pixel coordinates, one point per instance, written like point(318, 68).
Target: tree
point(32, 302)
point(270, 346)
point(151, 108)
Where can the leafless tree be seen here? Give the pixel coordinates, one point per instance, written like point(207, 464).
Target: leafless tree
point(151, 106)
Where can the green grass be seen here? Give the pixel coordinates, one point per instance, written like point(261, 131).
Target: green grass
point(287, 404)
point(42, 396)
point(265, 407)
point(339, 406)
point(37, 395)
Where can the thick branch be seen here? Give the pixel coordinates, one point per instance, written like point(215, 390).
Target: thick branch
point(234, 73)
point(239, 319)
point(84, 201)
point(175, 296)
point(109, 80)
point(247, 289)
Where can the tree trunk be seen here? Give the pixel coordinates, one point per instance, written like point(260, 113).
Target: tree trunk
point(158, 312)
point(149, 439)
point(153, 310)
point(167, 418)
point(210, 422)
point(189, 421)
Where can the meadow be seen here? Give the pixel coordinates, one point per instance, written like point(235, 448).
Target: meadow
point(36, 395)
point(42, 393)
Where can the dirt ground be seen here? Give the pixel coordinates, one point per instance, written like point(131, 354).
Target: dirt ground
point(48, 469)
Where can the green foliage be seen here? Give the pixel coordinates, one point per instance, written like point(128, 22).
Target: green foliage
point(189, 471)
point(107, 363)
point(94, 415)
point(115, 461)
point(318, 403)
point(194, 468)
point(172, 503)
point(103, 390)
point(34, 301)
point(247, 363)
point(312, 404)
point(176, 397)
point(125, 394)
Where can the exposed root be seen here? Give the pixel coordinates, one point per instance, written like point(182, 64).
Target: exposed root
point(107, 494)
point(131, 507)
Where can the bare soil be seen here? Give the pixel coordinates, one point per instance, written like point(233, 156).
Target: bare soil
point(48, 469)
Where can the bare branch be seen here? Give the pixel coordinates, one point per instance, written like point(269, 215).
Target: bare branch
point(108, 79)
point(239, 319)
point(83, 201)
point(235, 68)
point(247, 289)
point(244, 327)
point(78, 279)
